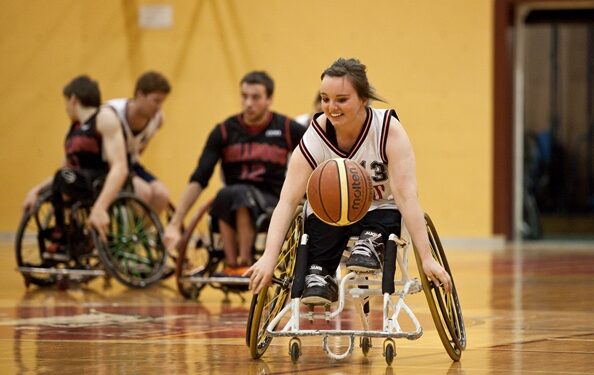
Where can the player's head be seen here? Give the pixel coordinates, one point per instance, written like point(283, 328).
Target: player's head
point(346, 92)
point(81, 91)
point(356, 73)
point(85, 90)
point(150, 82)
point(259, 78)
point(257, 89)
point(150, 92)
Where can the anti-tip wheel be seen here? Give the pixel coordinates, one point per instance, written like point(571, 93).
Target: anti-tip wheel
point(389, 351)
point(295, 349)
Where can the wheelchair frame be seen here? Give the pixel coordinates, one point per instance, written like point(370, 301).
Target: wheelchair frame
point(267, 313)
point(195, 267)
point(134, 255)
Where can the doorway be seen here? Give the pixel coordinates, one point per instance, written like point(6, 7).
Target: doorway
point(553, 121)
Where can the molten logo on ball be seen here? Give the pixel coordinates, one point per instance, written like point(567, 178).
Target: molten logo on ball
point(339, 191)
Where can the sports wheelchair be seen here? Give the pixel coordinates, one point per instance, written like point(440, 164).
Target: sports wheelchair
point(197, 266)
point(134, 253)
point(276, 310)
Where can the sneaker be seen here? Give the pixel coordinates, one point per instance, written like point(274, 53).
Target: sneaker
point(55, 249)
point(232, 271)
point(320, 287)
point(56, 252)
point(364, 257)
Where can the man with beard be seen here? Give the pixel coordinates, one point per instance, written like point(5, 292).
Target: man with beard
point(254, 147)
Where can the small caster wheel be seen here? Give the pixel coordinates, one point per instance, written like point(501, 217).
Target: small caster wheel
point(365, 345)
point(294, 349)
point(389, 351)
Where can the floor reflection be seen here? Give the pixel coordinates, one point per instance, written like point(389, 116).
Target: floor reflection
point(526, 310)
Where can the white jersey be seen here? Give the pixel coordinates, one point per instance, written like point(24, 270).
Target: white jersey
point(135, 142)
point(369, 151)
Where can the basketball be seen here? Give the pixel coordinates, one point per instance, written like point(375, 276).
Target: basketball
point(339, 191)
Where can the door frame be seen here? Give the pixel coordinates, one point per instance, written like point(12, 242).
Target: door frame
point(508, 111)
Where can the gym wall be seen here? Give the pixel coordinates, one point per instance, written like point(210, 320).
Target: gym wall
point(431, 60)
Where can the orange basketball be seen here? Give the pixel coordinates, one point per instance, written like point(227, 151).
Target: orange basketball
point(339, 191)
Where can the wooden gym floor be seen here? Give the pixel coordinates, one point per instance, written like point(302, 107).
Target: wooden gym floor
point(528, 310)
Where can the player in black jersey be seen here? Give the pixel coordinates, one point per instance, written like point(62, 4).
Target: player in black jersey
point(95, 164)
point(253, 148)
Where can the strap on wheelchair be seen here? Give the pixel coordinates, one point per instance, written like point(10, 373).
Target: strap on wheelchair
point(389, 266)
point(300, 269)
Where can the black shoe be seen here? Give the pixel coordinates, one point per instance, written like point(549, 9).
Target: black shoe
point(320, 287)
point(55, 252)
point(364, 256)
point(55, 249)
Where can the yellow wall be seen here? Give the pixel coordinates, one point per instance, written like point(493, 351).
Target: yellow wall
point(430, 59)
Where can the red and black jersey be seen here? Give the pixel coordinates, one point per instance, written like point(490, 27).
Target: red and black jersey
point(83, 146)
point(250, 155)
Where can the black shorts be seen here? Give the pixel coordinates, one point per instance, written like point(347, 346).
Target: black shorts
point(139, 170)
point(79, 185)
point(233, 197)
point(327, 242)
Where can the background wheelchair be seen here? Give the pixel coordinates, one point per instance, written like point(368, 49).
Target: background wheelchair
point(134, 253)
point(200, 256)
point(276, 311)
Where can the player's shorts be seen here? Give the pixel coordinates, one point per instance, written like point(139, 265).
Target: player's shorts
point(139, 170)
point(79, 185)
point(328, 241)
point(233, 197)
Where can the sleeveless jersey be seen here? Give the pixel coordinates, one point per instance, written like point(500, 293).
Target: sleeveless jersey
point(135, 142)
point(369, 150)
point(84, 146)
point(250, 155)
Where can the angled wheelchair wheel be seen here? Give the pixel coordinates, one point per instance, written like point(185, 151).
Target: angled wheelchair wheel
point(30, 241)
point(445, 307)
point(267, 304)
point(193, 259)
point(134, 253)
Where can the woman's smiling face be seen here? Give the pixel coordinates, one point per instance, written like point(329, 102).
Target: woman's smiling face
point(340, 101)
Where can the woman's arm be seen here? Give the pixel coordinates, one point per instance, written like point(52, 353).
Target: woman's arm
point(403, 182)
point(292, 194)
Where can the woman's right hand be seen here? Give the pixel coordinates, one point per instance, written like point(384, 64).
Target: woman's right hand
point(260, 273)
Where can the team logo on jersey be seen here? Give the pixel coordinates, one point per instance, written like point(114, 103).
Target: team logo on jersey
point(274, 133)
point(68, 175)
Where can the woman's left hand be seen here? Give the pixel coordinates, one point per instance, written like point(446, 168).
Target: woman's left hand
point(437, 274)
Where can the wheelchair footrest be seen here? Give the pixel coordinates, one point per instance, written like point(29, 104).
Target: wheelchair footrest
point(305, 332)
point(220, 280)
point(61, 271)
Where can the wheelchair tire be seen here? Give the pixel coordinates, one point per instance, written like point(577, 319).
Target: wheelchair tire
point(192, 261)
point(268, 303)
point(445, 307)
point(28, 246)
point(135, 254)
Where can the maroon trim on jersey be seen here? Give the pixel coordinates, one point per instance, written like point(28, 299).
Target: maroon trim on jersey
point(307, 155)
point(259, 152)
point(255, 129)
point(358, 142)
point(363, 134)
point(384, 134)
point(82, 143)
point(327, 141)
